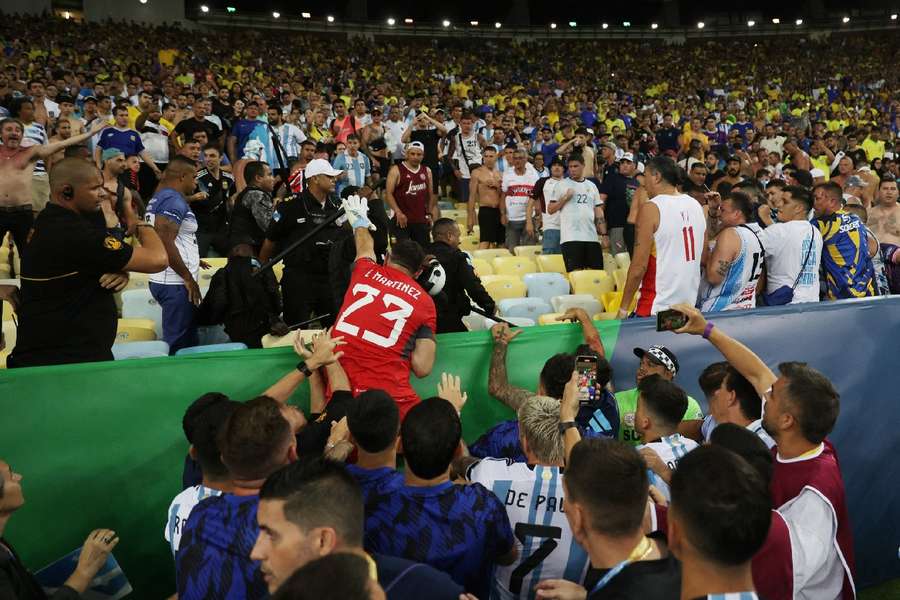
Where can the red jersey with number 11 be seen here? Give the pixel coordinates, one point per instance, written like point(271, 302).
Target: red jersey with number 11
point(384, 313)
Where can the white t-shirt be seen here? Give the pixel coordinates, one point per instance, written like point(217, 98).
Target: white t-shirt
point(671, 449)
point(180, 510)
point(576, 221)
point(550, 221)
point(787, 245)
point(393, 131)
point(472, 153)
point(535, 504)
point(518, 190)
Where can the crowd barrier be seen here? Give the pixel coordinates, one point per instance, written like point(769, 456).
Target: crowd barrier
point(101, 445)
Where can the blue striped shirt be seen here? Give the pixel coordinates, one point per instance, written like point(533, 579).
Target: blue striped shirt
point(358, 168)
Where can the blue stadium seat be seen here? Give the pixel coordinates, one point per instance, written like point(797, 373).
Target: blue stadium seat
point(529, 308)
point(211, 348)
point(546, 285)
point(139, 304)
point(129, 350)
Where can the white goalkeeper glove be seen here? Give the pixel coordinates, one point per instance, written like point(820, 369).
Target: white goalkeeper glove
point(357, 211)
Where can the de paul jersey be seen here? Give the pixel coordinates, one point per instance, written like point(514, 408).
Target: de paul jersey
point(385, 312)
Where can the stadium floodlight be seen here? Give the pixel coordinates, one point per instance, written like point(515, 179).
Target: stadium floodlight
point(230, 9)
point(654, 25)
point(776, 20)
point(751, 23)
point(626, 23)
point(276, 14)
point(67, 15)
point(446, 23)
point(391, 21)
point(701, 25)
point(408, 21)
point(894, 17)
point(473, 23)
point(306, 15)
point(204, 8)
point(143, 1)
point(552, 25)
point(330, 19)
point(845, 20)
point(498, 25)
point(573, 24)
point(605, 26)
point(798, 22)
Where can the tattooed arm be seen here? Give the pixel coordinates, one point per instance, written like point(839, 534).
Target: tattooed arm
point(498, 381)
point(728, 246)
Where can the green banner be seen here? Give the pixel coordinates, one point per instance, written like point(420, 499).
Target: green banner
point(101, 444)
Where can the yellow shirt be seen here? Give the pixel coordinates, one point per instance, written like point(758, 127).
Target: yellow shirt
point(823, 164)
point(873, 149)
point(610, 123)
point(167, 56)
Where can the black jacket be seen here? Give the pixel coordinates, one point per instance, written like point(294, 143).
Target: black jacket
point(461, 280)
point(17, 583)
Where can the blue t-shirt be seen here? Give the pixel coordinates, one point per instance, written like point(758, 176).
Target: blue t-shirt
point(213, 560)
point(245, 130)
point(404, 579)
point(598, 419)
point(126, 140)
point(458, 529)
point(173, 206)
point(376, 485)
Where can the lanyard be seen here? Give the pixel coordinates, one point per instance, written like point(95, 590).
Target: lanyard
point(640, 552)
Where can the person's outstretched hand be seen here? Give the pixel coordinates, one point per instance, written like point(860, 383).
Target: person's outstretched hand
point(503, 335)
point(357, 210)
point(450, 390)
point(93, 556)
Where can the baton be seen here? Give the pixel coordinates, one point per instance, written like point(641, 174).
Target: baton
point(483, 313)
point(313, 320)
point(293, 245)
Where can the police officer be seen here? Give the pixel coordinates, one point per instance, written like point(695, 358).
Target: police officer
point(305, 284)
point(452, 304)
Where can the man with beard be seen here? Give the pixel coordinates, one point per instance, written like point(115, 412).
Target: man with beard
point(732, 175)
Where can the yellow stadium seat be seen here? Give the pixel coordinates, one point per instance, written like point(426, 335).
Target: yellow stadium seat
point(5, 271)
point(3, 356)
point(461, 206)
point(141, 323)
point(138, 281)
point(549, 319)
point(278, 270)
point(619, 277)
point(500, 287)
point(217, 262)
point(605, 316)
point(609, 263)
point(551, 263)
point(530, 251)
point(206, 276)
point(612, 301)
point(134, 334)
point(513, 265)
point(490, 253)
point(593, 282)
point(271, 341)
point(468, 242)
point(10, 332)
point(623, 260)
point(7, 311)
point(482, 267)
point(494, 278)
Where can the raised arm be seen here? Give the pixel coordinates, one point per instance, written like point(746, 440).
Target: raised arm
point(498, 380)
point(588, 331)
point(48, 150)
point(648, 220)
point(737, 354)
point(322, 354)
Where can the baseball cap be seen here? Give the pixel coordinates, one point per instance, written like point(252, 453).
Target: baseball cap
point(609, 145)
point(90, 99)
point(661, 355)
point(418, 145)
point(109, 153)
point(628, 156)
point(320, 166)
point(65, 98)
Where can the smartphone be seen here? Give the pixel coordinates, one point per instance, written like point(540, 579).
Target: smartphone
point(670, 320)
point(586, 367)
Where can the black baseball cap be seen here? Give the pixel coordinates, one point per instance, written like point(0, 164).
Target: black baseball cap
point(660, 355)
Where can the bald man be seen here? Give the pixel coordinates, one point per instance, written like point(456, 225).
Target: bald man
point(72, 267)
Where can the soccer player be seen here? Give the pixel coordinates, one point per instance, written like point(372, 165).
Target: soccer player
point(661, 404)
point(533, 494)
point(462, 530)
point(387, 320)
point(719, 518)
point(668, 245)
point(313, 508)
point(735, 264)
point(800, 409)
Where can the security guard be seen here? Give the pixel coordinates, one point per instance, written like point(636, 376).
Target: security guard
point(452, 304)
point(305, 284)
point(73, 264)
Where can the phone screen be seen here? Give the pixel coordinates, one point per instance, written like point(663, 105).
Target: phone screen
point(586, 367)
point(669, 320)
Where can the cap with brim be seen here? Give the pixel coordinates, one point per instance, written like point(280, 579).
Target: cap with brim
point(661, 355)
point(320, 166)
point(418, 145)
point(609, 145)
point(90, 99)
point(111, 153)
point(627, 156)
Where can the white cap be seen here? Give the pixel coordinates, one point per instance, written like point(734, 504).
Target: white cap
point(628, 156)
point(320, 166)
point(418, 145)
point(640, 167)
point(817, 173)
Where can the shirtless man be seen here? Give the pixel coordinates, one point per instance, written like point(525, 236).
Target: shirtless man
point(884, 221)
point(114, 164)
point(484, 189)
point(63, 132)
point(16, 168)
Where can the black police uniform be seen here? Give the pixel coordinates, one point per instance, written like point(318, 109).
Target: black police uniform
point(65, 315)
point(212, 213)
point(243, 227)
point(452, 304)
point(305, 285)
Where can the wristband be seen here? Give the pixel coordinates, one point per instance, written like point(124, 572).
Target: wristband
point(304, 368)
point(707, 330)
point(565, 426)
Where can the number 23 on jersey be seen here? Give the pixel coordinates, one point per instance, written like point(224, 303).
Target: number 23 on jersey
point(395, 312)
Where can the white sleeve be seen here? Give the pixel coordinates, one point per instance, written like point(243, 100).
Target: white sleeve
point(771, 238)
point(596, 194)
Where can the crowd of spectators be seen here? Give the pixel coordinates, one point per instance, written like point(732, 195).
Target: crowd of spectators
point(734, 173)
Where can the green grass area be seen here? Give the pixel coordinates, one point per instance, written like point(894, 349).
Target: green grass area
point(889, 590)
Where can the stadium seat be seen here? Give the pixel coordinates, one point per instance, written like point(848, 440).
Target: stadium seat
point(609, 263)
point(482, 267)
point(206, 275)
point(500, 287)
point(9, 334)
point(623, 260)
point(134, 334)
point(593, 282)
point(530, 251)
point(613, 300)
point(138, 281)
point(587, 302)
point(139, 304)
point(490, 253)
point(278, 270)
point(271, 341)
point(530, 308)
point(445, 205)
point(474, 322)
point(212, 334)
point(551, 263)
point(517, 321)
point(606, 316)
point(140, 350)
point(513, 265)
point(461, 206)
point(468, 242)
point(216, 263)
point(549, 319)
point(619, 277)
point(7, 311)
point(211, 348)
point(5, 270)
point(142, 323)
point(545, 285)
